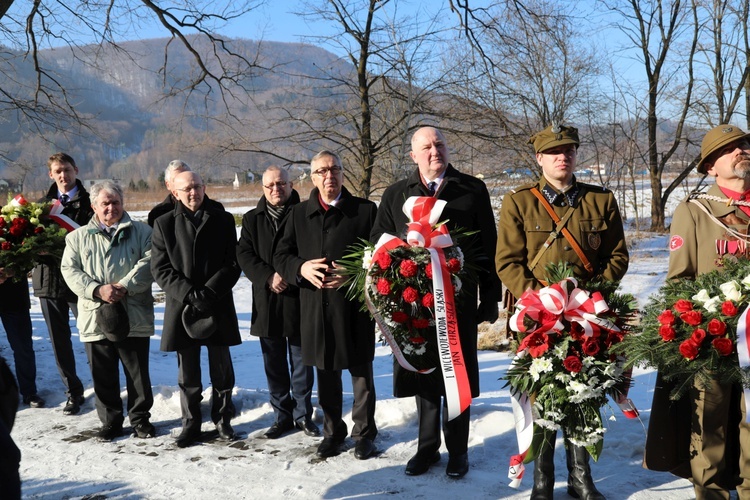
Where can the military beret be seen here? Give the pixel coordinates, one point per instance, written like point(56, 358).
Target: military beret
point(553, 136)
point(715, 139)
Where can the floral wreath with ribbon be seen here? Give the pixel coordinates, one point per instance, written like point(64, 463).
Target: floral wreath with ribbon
point(564, 367)
point(410, 287)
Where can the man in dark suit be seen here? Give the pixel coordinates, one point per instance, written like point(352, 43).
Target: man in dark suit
point(468, 207)
point(276, 317)
point(336, 334)
point(194, 260)
point(55, 297)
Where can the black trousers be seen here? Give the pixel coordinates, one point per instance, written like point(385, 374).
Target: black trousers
point(456, 431)
point(17, 325)
point(221, 372)
point(104, 358)
point(290, 381)
point(57, 316)
point(331, 396)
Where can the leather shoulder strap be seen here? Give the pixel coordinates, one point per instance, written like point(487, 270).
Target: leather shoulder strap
point(560, 229)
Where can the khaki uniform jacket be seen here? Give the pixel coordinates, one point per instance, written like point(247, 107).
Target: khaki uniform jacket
point(525, 225)
point(696, 242)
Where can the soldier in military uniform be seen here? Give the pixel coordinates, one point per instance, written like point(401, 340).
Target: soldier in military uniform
point(558, 219)
point(704, 436)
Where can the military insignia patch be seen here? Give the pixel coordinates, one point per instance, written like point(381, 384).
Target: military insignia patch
point(675, 243)
point(595, 240)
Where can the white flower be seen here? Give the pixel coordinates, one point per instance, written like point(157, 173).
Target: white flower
point(34, 221)
point(701, 296)
point(367, 259)
point(539, 366)
point(560, 351)
point(746, 281)
point(731, 290)
point(456, 284)
point(38, 212)
point(712, 304)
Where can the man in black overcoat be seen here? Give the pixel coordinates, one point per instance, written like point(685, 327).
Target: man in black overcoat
point(55, 297)
point(276, 317)
point(194, 260)
point(175, 167)
point(336, 334)
point(468, 208)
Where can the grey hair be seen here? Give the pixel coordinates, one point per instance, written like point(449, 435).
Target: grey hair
point(326, 154)
point(107, 186)
point(274, 168)
point(174, 166)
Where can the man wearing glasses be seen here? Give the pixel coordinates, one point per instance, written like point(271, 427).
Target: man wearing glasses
point(336, 334)
point(275, 316)
point(194, 260)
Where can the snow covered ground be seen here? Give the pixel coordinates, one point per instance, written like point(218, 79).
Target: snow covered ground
point(62, 460)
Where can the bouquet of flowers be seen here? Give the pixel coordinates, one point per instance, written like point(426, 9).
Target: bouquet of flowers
point(27, 231)
point(564, 367)
point(410, 288)
point(695, 330)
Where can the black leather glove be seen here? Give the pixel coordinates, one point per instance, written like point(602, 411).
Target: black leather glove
point(203, 299)
point(487, 311)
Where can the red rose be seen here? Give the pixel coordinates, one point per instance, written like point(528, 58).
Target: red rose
point(591, 346)
point(729, 309)
point(614, 338)
point(692, 318)
point(667, 333)
point(16, 231)
point(410, 295)
point(399, 317)
point(428, 270)
point(428, 300)
point(420, 323)
point(537, 343)
point(689, 349)
point(6, 245)
point(417, 340)
point(572, 364)
point(2, 222)
point(698, 336)
point(667, 317)
point(454, 265)
point(716, 327)
point(38, 230)
point(683, 305)
point(723, 345)
point(576, 332)
point(383, 260)
point(408, 268)
point(384, 286)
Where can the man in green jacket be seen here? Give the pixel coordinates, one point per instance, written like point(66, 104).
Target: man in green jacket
point(590, 238)
point(106, 262)
point(704, 436)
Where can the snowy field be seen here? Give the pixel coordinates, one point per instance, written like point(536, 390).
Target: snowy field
point(62, 461)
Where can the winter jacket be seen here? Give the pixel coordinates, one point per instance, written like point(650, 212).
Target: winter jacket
point(91, 259)
point(274, 314)
point(46, 277)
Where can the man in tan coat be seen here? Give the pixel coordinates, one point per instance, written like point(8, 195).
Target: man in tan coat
point(590, 237)
point(704, 436)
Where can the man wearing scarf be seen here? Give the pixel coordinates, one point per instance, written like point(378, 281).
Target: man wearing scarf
point(276, 318)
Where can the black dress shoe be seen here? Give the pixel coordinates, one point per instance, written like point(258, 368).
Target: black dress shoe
point(458, 466)
point(144, 430)
point(364, 449)
point(308, 427)
point(187, 437)
point(329, 447)
point(278, 429)
point(109, 432)
point(225, 431)
point(420, 463)
point(73, 406)
point(34, 401)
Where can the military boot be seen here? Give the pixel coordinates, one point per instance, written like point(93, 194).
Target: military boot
point(544, 469)
point(580, 483)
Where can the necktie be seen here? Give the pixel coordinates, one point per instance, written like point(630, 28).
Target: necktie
point(64, 199)
point(431, 187)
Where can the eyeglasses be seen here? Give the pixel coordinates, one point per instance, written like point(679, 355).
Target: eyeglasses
point(322, 172)
point(277, 185)
point(194, 187)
